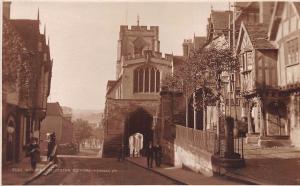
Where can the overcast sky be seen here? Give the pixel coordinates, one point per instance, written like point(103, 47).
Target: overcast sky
point(83, 39)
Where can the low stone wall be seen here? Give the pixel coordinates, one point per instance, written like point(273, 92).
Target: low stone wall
point(193, 149)
point(193, 158)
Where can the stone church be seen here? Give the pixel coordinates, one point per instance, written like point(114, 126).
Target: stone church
point(133, 99)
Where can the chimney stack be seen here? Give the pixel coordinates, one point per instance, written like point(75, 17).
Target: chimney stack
point(6, 9)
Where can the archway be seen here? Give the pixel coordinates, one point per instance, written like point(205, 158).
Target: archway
point(139, 121)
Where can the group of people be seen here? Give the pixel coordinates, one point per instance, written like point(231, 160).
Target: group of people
point(33, 150)
point(154, 152)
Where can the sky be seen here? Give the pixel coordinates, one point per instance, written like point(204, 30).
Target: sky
point(84, 34)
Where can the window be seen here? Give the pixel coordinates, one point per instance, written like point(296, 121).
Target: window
point(292, 51)
point(146, 79)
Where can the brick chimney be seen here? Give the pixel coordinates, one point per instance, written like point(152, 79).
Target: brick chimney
point(6, 9)
point(265, 11)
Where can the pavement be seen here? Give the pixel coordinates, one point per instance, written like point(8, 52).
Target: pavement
point(21, 173)
point(183, 176)
point(269, 166)
point(264, 166)
point(100, 171)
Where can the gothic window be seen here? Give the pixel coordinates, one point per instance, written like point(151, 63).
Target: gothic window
point(141, 80)
point(146, 79)
point(152, 84)
point(157, 82)
point(135, 81)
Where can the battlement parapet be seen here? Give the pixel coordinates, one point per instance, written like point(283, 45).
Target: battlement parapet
point(139, 28)
point(157, 55)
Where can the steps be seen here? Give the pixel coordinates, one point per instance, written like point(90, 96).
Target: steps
point(252, 138)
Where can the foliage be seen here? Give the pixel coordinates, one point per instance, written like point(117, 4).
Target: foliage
point(98, 132)
point(83, 130)
point(203, 70)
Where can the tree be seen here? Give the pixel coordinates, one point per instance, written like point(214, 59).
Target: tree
point(98, 133)
point(204, 70)
point(83, 130)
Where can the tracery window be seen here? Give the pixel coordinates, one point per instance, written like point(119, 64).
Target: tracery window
point(146, 79)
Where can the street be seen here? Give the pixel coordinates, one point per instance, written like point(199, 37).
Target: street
point(94, 171)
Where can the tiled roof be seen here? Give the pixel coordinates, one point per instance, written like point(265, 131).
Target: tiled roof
point(29, 31)
point(54, 109)
point(178, 60)
point(111, 84)
point(258, 34)
point(220, 19)
point(199, 42)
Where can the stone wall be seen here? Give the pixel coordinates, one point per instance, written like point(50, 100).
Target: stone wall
point(116, 113)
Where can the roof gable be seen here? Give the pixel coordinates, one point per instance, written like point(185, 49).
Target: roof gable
point(54, 109)
point(278, 15)
point(220, 19)
point(258, 36)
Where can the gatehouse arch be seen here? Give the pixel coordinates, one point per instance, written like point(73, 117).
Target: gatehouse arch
point(138, 121)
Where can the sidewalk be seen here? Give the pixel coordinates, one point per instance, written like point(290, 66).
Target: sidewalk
point(181, 175)
point(274, 166)
point(20, 173)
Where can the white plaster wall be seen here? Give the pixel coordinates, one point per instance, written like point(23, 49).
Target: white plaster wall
point(195, 159)
point(295, 137)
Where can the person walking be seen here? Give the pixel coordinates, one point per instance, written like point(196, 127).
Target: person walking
point(158, 155)
point(33, 150)
point(121, 153)
point(52, 148)
point(149, 154)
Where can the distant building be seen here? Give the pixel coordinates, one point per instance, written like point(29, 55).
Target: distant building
point(190, 45)
point(55, 121)
point(27, 69)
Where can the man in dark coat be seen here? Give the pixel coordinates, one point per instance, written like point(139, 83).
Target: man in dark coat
point(33, 150)
point(51, 154)
point(158, 155)
point(149, 153)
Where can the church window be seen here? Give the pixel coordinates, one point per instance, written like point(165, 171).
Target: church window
point(146, 79)
point(157, 82)
point(135, 81)
point(141, 80)
point(152, 85)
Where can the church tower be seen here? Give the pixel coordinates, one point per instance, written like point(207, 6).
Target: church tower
point(134, 41)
